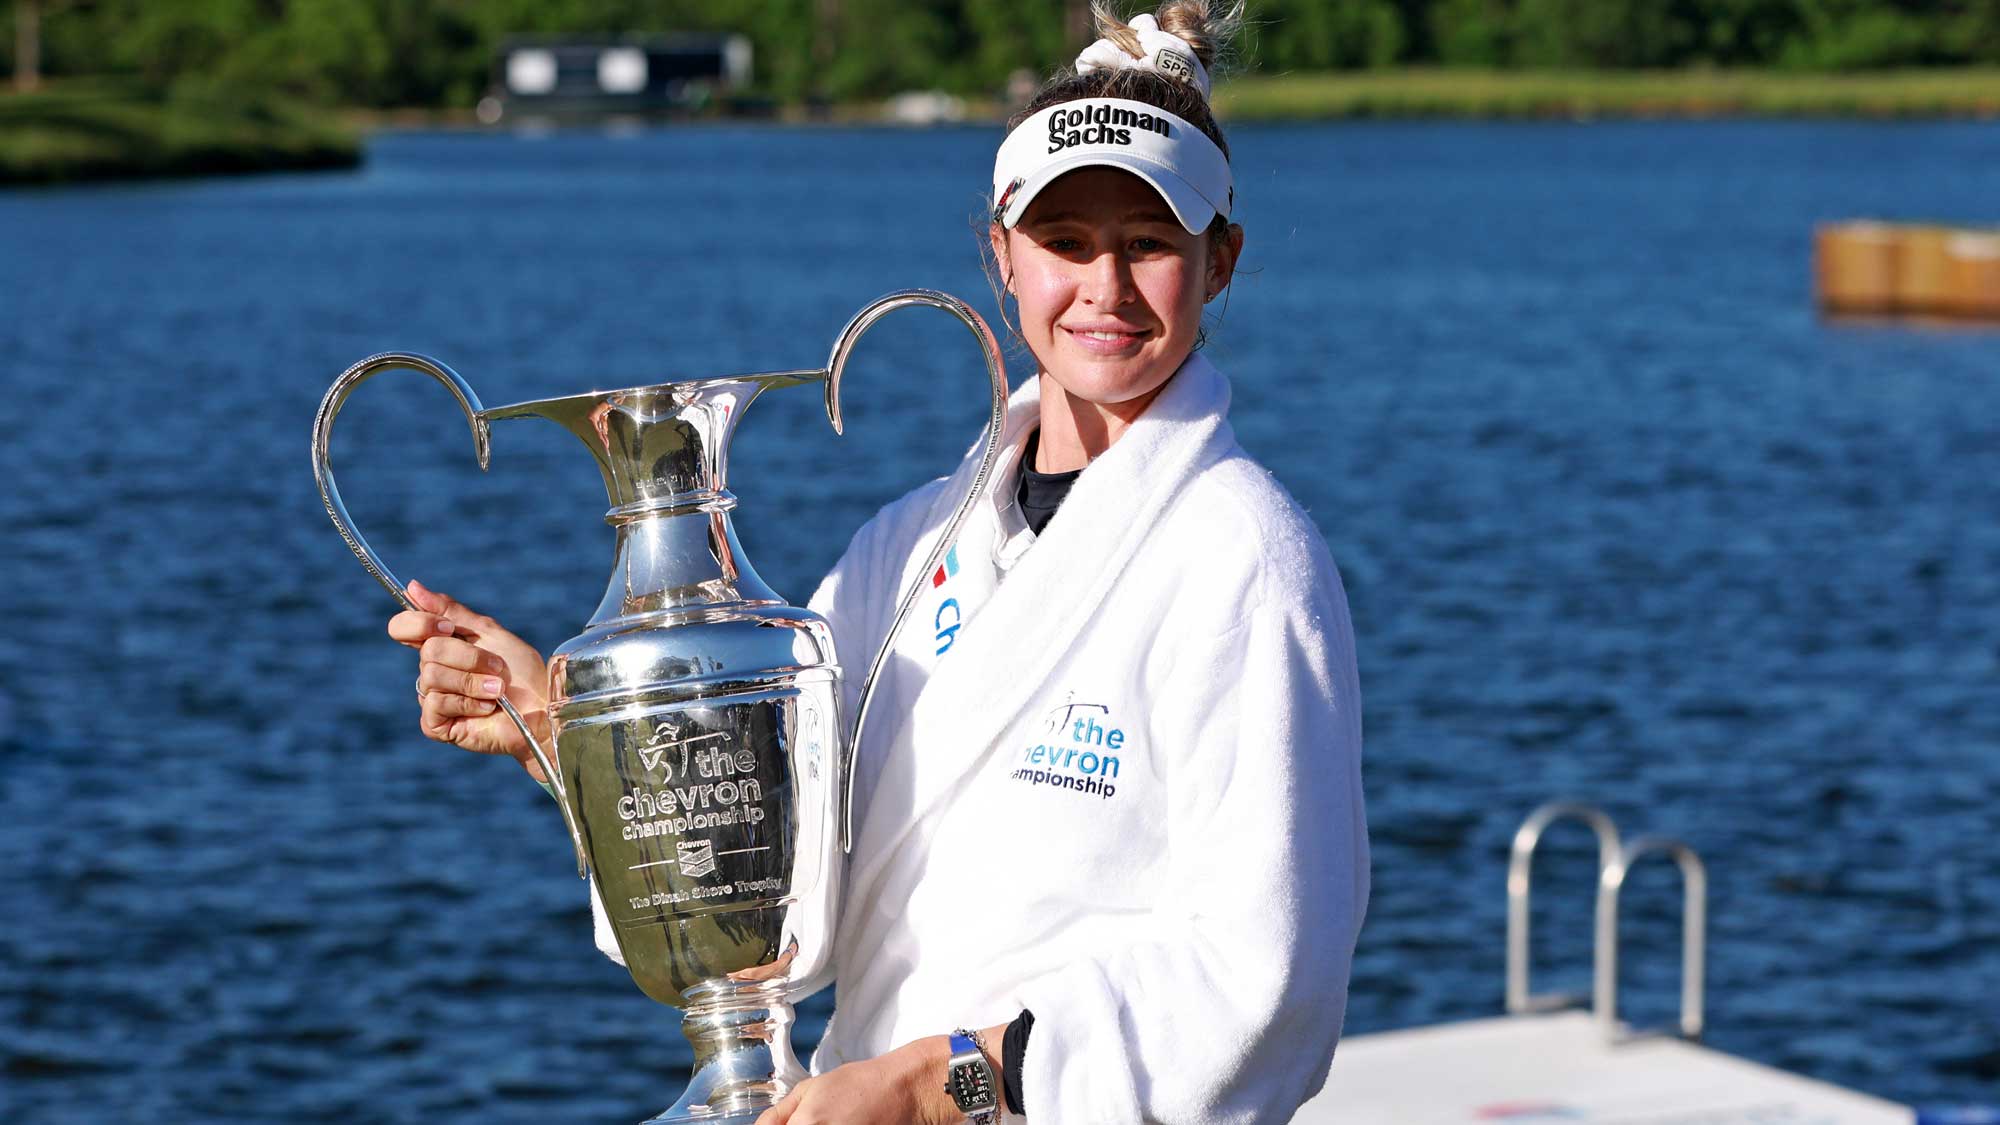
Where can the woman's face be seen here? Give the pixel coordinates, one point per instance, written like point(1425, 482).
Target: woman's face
point(1110, 286)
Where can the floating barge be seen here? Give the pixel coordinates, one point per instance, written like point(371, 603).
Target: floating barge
point(1549, 1062)
point(1897, 269)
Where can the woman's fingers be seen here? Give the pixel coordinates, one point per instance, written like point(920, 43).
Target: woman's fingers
point(441, 707)
point(436, 615)
point(444, 606)
point(436, 679)
point(472, 724)
point(467, 664)
point(442, 616)
point(413, 627)
point(782, 1112)
point(450, 652)
point(427, 599)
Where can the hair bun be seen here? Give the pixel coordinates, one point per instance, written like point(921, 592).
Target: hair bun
point(1208, 33)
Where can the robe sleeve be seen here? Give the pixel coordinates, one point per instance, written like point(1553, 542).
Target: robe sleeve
point(1230, 1011)
point(859, 595)
point(851, 601)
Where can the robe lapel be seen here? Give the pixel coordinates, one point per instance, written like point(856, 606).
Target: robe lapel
point(913, 652)
point(1014, 641)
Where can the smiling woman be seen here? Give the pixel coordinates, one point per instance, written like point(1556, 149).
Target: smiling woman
point(1109, 288)
point(1136, 657)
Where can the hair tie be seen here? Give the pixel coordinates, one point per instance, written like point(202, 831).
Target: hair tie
point(1165, 53)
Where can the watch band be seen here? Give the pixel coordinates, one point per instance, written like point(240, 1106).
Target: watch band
point(970, 1080)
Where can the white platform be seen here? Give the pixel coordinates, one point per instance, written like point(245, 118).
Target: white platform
point(1557, 1069)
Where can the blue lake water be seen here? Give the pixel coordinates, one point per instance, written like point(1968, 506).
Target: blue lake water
point(1619, 516)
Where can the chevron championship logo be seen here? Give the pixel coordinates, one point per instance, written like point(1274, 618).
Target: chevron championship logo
point(946, 569)
point(950, 615)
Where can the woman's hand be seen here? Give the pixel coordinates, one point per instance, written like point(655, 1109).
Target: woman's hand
point(903, 1087)
point(467, 662)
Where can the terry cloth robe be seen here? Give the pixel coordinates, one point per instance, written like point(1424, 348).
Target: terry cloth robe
point(1112, 777)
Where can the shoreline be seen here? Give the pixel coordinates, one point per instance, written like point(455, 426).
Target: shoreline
point(1956, 93)
point(82, 131)
point(91, 133)
point(1940, 94)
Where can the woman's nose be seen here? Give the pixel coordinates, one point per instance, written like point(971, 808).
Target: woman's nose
point(1107, 281)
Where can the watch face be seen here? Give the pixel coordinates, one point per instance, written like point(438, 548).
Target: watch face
point(972, 1086)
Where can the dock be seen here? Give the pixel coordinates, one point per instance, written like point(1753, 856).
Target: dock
point(1559, 1069)
point(1551, 1061)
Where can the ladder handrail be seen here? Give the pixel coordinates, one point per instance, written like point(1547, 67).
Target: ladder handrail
point(1694, 934)
point(1520, 872)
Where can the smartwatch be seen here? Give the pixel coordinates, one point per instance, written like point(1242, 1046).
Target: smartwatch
point(970, 1080)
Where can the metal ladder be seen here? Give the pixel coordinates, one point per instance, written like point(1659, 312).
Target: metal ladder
point(1614, 861)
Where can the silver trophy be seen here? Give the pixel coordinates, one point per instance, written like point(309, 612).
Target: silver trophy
point(700, 760)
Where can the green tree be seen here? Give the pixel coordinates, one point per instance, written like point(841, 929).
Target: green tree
point(1473, 32)
point(160, 42)
point(1860, 34)
point(1008, 35)
point(1594, 34)
point(26, 31)
point(1971, 31)
point(1739, 32)
point(1327, 34)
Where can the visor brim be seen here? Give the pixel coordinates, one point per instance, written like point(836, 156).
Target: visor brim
point(1194, 210)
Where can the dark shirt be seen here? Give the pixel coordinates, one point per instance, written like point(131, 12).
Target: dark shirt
point(1013, 1048)
point(1040, 494)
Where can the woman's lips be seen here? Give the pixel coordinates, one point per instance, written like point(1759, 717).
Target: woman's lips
point(1106, 341)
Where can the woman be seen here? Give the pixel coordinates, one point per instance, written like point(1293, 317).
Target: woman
point(1113, 821)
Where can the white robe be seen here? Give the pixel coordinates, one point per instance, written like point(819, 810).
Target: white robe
point(1120, 788)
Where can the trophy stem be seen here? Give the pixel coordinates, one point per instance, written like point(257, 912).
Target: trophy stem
point(743, 1061)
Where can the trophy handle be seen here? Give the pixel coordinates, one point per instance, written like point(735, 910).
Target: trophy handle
point(329, 408)
point(996, 371)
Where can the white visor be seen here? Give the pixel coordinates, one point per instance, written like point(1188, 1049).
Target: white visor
point(1179, 160)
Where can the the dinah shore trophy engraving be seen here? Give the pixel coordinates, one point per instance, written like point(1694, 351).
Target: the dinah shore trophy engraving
point(700, 756)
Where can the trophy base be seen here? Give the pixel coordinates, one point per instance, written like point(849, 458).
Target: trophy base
point(676, 1116)
point(743, 1060)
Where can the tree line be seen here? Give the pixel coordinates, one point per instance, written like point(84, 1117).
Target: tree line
point(393, 53)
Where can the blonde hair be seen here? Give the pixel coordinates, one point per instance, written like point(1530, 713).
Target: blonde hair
point(1211, 33)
